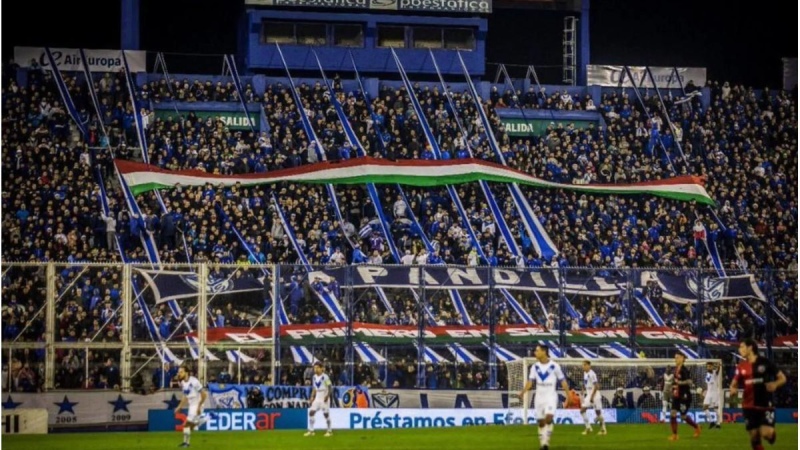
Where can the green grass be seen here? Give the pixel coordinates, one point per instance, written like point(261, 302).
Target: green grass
point(620, 437)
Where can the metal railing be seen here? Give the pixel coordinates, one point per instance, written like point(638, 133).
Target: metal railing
point(62, 322)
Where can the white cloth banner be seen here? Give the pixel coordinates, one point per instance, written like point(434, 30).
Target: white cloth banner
point(81, 408)
point(69, 59)
point(665, 77)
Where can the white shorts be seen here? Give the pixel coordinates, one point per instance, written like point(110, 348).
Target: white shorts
point(320, 404)
point(597, 404)
point(545, 405)
point(191, 413)
point(711, 399)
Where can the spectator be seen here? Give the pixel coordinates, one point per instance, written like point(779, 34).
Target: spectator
point(619, 400)
point(647, 400)
point(163, 376)
point(255, 398)
point(111, 374)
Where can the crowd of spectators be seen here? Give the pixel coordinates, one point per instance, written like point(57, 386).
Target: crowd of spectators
point(744, 145)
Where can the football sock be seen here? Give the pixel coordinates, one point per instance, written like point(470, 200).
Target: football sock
point(673, 423)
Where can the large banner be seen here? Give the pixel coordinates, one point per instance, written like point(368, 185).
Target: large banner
point(334, 333)
point(168, 285)
point(665, 77)
point(677, 287)
point(69, 59)
point(448, 6)
point(234, 396)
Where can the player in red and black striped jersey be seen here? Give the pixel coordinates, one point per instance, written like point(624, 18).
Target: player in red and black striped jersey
point(760, 379)
point(681, 397)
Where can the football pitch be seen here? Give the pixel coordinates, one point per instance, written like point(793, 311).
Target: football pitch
point(620, 437)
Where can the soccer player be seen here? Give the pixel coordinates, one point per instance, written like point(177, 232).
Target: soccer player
point(669, 376)
point(711, 397)
point(591, 398)
point(195, 396)
point(545, 373)
point(760, 378)
point(321, 393)
point(681, 397)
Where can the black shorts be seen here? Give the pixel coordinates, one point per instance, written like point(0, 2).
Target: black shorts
point(681, 404)
point(757, 418)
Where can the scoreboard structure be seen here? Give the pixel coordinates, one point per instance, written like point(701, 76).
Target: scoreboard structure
point(364, 32)
point(369, 37)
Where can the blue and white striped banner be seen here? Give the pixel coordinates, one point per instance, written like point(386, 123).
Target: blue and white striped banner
point(194, 350)
point(328, 299)
point(368, 354)
point(541, 241)
point(301, 355)
point(619, 350)
point(458, 302)
point(148, 318)
point(503, 354)
point(690, 354)
point(651, 311)
point(497, 214)
point(167, 356)
point(140, 132)
point(237, 84)
point(92, 92)
point(584, 352)
point(236, 356)
point(554, 350)
point(432, 357)
point(462, 355)
point(65, 95)
point(752, 312)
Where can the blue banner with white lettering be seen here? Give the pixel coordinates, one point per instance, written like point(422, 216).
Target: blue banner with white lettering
point(681, 288)
point(234, 396)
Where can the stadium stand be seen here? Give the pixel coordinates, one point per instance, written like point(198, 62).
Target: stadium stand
point(744, 145)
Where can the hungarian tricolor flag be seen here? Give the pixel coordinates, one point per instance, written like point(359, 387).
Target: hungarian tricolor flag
point(142, 178)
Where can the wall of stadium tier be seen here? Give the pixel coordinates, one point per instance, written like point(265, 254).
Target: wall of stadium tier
point(368, 37)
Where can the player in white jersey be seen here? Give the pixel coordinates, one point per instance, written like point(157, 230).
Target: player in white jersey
point(545, 373)
point(711, 398)
point(321, 398)
point(195, 396)
point(592, 398)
